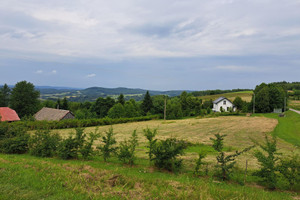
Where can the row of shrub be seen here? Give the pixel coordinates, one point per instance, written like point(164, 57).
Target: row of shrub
point(74, 123)
point(275, 169)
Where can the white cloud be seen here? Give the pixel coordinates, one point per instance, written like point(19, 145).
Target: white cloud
point(91, 75)
point(170, 28)
point(53, 72)
point(39, 72)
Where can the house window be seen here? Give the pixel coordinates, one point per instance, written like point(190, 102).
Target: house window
point(224, 102)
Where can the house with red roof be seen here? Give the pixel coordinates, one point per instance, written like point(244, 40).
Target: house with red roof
point(9, 115)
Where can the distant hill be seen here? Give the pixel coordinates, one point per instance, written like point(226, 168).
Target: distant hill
point(92, 93)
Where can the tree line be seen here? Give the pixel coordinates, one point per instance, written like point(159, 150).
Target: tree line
point(25, 100)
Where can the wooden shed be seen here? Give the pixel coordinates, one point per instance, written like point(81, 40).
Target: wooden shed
point(51, 114)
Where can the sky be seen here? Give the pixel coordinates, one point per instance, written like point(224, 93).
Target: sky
point(157, 45)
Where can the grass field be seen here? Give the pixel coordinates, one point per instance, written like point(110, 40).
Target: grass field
point(294, 104)
point(288, 128)
point(27, 177)
point(245, 95)
point(23, 177)
point(239, 130)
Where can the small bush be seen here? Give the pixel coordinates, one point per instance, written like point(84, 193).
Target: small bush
point(15, 145)
point(290, 169)
point(225, 163)
point(151, 141)
point(166, 154)
point(127, 149)
point(86, 150)
point(267, 160)
point(69, 148)
point(13, 139)
point(43, 143)
point(199, 164)
point(108, 141)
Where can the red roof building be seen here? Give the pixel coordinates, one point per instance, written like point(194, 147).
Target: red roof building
point(9, 115)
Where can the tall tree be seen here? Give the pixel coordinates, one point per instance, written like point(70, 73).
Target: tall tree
point(65, 104)
point(262, 100)
point(4, 96)
point(102, 106)
point(121, 99)
point(24, 99)
point(58, 104)
point(147, 103)
point(238, 102)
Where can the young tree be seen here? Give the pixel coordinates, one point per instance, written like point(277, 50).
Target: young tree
point(150, 135)
point(147, 104)
point(267, 160)
point(24, 99)
point(121, 99)
point(225, 162)
point(127, 149)
point(4, 96)
point(108, 141)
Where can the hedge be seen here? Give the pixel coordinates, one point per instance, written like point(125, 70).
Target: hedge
point(73, 123)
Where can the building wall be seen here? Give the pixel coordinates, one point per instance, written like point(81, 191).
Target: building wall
point(226, 106)
point(69, 116)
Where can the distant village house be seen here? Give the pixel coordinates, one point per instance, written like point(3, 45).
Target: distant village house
point(224, 104)
point(8, 115)
point(51, 114)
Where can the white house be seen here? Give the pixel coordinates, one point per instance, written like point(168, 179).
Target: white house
point(222, 103)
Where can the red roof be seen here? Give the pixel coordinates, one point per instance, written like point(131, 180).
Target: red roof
point(8, 114)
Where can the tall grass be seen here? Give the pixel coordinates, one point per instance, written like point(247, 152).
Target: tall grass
point(27, 177)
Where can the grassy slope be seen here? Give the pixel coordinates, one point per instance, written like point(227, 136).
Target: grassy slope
point(288, 127)
point(245, 95)
point(27, 177)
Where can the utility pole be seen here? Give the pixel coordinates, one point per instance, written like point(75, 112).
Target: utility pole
point(253, 103)
point(284, 105)
point(165, 108)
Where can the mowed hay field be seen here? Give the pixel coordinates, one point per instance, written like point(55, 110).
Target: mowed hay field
point(294, 104)
point(245, 95)
point(239, 131)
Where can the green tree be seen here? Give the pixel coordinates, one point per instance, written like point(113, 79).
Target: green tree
point(108, 141)
point(121, 99)
point(117, 111)
point(65, 104)
point(174, 110)
point(262, 100)
point(131, 109)
point(126, 152)
point(102, 106)
point(58, 104)
point(184, 104)
point(267, 160)
point(4, 96)
point(238, 102)
point(150, 135)
point(225, 163)
point(24, 99)
point(147, 104)
point(208, 104)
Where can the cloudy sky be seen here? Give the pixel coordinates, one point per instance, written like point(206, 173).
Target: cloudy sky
point(162, 45)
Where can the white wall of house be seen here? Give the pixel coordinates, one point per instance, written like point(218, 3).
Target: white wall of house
point(225, 104)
